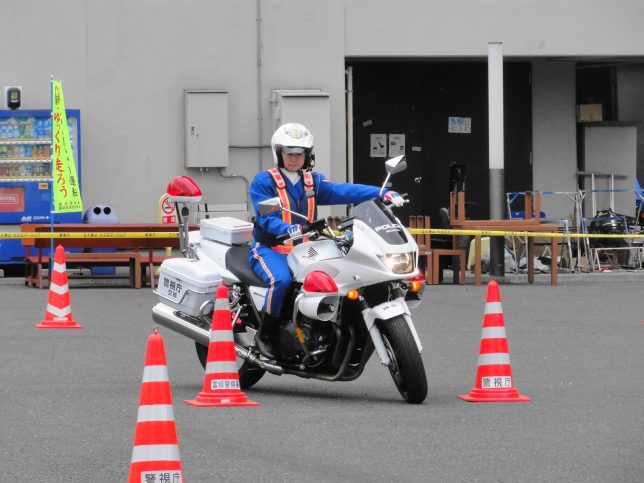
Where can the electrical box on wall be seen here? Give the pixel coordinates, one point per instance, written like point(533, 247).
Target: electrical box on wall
point(206, 128)
point(312, 108)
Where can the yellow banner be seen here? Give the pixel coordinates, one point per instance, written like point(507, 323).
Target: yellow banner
point(65, 186)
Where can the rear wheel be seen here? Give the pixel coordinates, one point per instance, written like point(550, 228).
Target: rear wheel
point(248, 375)
point(406, 367)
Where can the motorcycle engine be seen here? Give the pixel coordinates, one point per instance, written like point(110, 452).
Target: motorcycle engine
point(314, 334)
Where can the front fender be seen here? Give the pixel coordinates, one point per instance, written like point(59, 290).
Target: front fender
point(384, 311)
point(410, 323)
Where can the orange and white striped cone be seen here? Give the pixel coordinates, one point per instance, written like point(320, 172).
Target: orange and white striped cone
point(494, 382)
point(155, 454)
point(59, 306)
point(221, 381)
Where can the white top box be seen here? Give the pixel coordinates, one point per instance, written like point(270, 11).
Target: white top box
point(227, 230)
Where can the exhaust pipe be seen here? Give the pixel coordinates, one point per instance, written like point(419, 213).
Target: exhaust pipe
point(165, 316)
point(253, 359)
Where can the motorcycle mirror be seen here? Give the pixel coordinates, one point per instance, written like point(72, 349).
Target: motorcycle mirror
point(396, 165)
point(269, 206)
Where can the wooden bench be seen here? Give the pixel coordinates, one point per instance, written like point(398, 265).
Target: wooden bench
point(148, 264)
point(458, 221)
point(36, 264)
point(145, 247)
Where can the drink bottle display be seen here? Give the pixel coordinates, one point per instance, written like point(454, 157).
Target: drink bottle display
point(26, 173)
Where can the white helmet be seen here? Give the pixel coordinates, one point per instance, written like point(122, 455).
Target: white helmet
point(294, 138)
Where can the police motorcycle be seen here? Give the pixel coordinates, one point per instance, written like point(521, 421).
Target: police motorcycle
point(354, 285)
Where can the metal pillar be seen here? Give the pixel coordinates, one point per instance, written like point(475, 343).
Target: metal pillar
point(496, 161)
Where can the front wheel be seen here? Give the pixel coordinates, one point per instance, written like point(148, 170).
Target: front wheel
point(406, 367)
point(249, 375)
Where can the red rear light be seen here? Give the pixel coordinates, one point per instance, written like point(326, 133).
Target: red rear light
point(183, 188)
point(319, 281)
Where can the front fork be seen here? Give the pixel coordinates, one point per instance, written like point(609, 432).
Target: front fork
point(384, 312)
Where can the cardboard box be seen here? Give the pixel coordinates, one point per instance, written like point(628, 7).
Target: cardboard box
point(589, 113)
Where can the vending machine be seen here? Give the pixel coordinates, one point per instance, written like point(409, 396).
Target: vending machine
point(26, 174)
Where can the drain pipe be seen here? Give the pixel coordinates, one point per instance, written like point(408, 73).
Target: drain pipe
point(236, 176)
point(260, 134)
point(349, 100)
point(260, 117)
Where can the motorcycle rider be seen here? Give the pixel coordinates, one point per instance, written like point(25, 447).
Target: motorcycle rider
point(300, 190)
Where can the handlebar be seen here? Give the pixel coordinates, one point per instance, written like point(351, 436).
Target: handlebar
point(279, 239)
point(402, 195)
point(318, 226)
point(315, 226)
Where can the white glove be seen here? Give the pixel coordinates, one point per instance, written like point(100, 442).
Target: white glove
point(294, 230)
point(394, 198)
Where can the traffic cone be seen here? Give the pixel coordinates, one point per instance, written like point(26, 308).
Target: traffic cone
point(494, 381)
point(221, 381)
point(155, 455)
point(59, 306)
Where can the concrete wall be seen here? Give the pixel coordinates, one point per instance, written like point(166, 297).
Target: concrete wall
point(554, 146)
point(141, 57)
point(42, 39)
point(125, 64)
point(610, 149)
point(630, 100)
point(464, 27)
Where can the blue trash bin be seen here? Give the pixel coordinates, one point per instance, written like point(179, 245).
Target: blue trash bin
point(101, 214)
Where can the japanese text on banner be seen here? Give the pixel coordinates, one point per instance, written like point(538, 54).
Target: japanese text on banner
point(65, 186)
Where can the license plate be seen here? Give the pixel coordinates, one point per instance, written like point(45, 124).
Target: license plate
point(171, 288)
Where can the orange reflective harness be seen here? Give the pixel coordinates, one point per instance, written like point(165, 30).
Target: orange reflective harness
point(309, 190)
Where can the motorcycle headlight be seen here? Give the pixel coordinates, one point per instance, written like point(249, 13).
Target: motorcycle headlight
point(400, 262)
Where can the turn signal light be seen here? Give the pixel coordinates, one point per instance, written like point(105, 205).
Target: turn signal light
point(415, 283)
point(353, 294)
point(415, 286)
point(319, 281)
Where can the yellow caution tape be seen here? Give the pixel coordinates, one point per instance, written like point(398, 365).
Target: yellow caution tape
point(109, 234)
point(546, 234)
point(414, 231)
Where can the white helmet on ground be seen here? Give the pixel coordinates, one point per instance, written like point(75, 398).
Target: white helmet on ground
point(293, 137)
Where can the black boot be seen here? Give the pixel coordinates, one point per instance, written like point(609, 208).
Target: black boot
point(266, 335)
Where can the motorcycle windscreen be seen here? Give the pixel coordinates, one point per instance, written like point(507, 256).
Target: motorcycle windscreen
point(374, 214)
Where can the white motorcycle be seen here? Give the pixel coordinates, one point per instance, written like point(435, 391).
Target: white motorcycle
point(354, 284)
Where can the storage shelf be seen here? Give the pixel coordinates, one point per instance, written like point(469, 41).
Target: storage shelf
point(25, 160)
point(24, 178)
point(7, 141)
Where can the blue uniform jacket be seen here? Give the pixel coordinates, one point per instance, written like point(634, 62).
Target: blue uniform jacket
point(326, 193)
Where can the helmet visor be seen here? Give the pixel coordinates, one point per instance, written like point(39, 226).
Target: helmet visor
point(292, 150)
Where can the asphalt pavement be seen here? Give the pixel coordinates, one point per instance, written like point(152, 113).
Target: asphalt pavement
point(69, 399)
